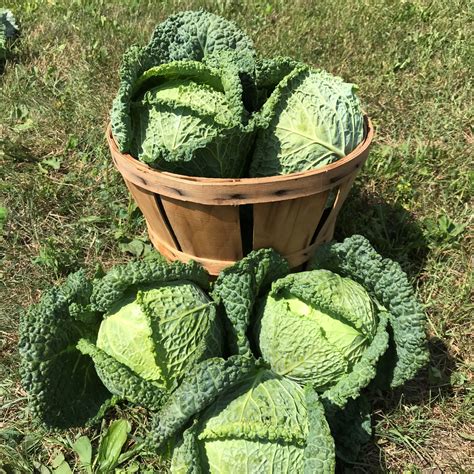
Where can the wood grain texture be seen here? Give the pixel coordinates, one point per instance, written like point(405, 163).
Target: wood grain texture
point(199, 218)
point(287, 226)
point(147, 203)
point(211, 232)
point(213, 267)
point(326, 232)
point(222, 191)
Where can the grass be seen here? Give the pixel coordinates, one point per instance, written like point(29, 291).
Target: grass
point(67, 207)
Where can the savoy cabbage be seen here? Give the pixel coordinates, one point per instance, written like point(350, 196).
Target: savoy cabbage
point(313, 327)
point(168, 126)
point(197, 100)
point(116, 338)
point(189, 118)
point(160, 336)
point(310, 119)
point(228, 436)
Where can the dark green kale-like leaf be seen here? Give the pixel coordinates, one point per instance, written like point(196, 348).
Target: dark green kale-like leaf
point(195, 34)
point(199, 389)
point(63, 387)
point(319, 453)
point(350, 427)
point(384, 280)
point(363, 371)
point(268, 74)
point(121, 380)
point(238, 287)
point(186, 455)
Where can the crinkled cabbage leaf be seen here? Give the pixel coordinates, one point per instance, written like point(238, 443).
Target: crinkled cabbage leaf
point(310, 119)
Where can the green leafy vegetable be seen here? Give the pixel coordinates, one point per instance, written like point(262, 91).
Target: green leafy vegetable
point(186, 36)
point(260, 425)
point(132, 334)
point(384, 280)
point(310, 120)
point(158, 324)
point(238, 287)
point(189, 118)
point(160, 332)
point(314, 326)
point(49, 332)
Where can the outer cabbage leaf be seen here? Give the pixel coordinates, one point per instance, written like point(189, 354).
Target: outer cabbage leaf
point(237, 288)
point(363, 372)
point(121, 380)
point(63, 387)
point(319, 451)
point(351, 427)
point(198, 390)
point(195, 34)
point(189, 35)
point(386, 281)
point(191, 120)
point(113, 286)
point(269, 72)
point(186, 456)
point(310, 120)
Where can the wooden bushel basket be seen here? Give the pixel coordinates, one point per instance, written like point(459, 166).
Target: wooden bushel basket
point(216, 221)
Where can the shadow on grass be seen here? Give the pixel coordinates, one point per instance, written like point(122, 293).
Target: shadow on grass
point(431, 386)
point(395, 233)
point(390, 228)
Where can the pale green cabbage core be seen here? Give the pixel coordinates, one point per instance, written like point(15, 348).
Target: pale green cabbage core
point(161, 332)
point(345, 338)
point(126, 336)
point(315, 327)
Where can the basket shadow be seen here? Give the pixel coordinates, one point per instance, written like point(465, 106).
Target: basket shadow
point(395, 233)
point(391, 229)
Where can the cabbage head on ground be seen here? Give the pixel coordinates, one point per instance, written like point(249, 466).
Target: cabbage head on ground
point(313, 327)
point(130, 335)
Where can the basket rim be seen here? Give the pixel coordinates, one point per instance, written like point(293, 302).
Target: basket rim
point(235, 191)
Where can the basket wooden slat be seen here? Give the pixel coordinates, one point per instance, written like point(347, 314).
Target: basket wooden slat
point(214, 267)
point(208, 231)
point(228, 191)
point(287, 226)
point(147, 203)
point(205, 219)
point(326, 232)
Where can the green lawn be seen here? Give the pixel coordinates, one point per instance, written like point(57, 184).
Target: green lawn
point(68, 208)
